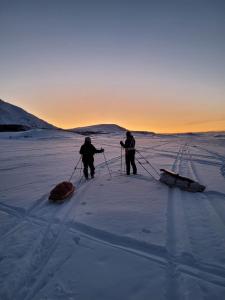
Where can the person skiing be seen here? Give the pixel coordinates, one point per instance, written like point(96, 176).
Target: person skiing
point(87, 150)
point(129, 152)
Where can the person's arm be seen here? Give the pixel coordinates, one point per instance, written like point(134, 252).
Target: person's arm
point(97, 150)
point(81, 150)
point(129, 144)
point(126, 145)
point(122, 144)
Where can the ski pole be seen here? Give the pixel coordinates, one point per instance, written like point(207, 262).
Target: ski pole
point(107, 164)
point(121, 160)
point(148, 163)
point(124, 165)
point(146, 169)
point(75, 169)
point(80, 168)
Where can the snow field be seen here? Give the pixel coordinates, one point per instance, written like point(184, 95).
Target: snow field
point(118, 237)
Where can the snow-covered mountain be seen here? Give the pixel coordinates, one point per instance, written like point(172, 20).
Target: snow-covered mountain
point(13, 115)
point(99, 129)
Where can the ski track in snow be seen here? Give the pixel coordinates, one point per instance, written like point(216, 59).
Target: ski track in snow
point(51, 244)
point(22, 213)
point(213, 226)
point(39, 283)
point(34, 279)
point(176, 198)
point(217, 156)
point(172, 283)
point(212, 223)
point(150, 252)
point(179, 256)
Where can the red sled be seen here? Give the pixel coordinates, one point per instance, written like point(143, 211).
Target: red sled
point(61, 191)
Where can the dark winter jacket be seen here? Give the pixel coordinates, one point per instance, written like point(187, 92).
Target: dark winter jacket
point(129, 144)
point(87, 151)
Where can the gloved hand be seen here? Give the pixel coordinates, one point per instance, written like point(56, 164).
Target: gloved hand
point(102, 150)
point(121, 143)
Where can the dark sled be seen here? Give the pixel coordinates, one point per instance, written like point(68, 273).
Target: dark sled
point(61, 191)
point(175, 180)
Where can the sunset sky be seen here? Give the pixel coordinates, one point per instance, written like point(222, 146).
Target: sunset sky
point(145, 65)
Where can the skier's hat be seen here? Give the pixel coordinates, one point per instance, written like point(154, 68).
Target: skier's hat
point(128, 134)
point(87, 139)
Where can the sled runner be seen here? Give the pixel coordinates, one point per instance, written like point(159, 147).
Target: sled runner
point(175, 180)
point(61, 191)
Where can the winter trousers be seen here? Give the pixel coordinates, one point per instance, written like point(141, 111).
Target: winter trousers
point(89, 163)
point(130, 160)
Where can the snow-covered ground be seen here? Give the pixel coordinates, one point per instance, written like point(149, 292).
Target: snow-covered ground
point(119, 237)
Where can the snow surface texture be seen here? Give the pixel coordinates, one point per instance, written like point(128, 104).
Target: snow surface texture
point(11, 114)
point(119, 237)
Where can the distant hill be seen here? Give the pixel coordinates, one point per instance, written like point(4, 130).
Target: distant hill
point(99, 129)
point(14, 118)
point(106, 129)
point(144, 132)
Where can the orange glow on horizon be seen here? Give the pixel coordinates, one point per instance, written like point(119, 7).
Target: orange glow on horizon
point(155, 111)
point(141, 125)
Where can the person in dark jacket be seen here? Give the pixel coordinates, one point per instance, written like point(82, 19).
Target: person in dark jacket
point(129, 152)
point(88, 151)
